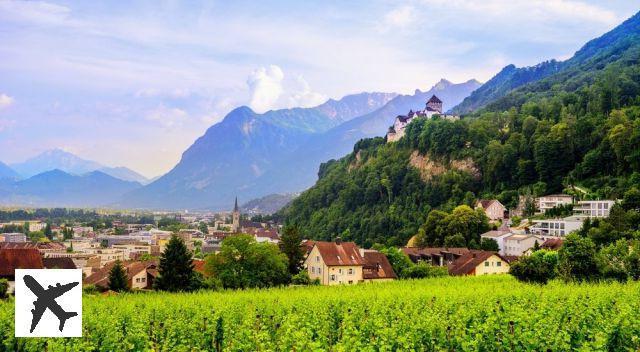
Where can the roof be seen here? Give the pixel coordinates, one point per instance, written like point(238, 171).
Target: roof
point(552, 244)
point(198, 265)
point(485, 203)
point(495, 233)
point(307, 245)
point(101, 277)
point(235, 207)
point(38, 245)
point(520, 237)
point(19, 258)
point(434, 99)
point(339, 254)
point(59, 263)
point(377, 266)
point(467, 263)
point(265, 233)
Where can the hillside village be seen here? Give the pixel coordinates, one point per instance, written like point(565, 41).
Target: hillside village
point(139, 246)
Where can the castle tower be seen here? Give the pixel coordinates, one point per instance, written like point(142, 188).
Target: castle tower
point(435, 104)
point(235, 225)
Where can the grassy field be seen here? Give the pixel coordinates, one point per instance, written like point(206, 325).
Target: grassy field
point(445, 314)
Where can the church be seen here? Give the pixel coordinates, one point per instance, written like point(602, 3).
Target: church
point(432, 108)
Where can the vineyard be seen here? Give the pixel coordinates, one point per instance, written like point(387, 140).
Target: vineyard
point(443, 314)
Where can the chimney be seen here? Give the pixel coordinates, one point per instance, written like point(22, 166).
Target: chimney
point(338, 240)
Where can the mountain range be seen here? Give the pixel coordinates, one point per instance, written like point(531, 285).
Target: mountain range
point(56, 188)
point(58, 159)
point(251, 155)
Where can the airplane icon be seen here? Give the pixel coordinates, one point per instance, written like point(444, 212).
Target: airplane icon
point(47, 299)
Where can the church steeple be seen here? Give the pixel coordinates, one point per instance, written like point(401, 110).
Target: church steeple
point(235, 218)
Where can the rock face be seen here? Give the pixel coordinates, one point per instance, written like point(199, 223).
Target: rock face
point(429, 167)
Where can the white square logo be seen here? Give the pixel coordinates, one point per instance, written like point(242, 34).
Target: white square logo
point(48, 302)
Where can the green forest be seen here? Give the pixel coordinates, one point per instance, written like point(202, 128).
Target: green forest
point(576, 131)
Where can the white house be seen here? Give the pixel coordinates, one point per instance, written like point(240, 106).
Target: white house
point(553, 200)
point(517, 245)
point(556, 227)
point(593, 208)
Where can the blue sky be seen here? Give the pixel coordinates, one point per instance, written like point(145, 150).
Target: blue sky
point(135, 84)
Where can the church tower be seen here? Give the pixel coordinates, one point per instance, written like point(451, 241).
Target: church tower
point(235, 225)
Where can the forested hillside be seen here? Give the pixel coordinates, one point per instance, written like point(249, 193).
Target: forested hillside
point(579, 127)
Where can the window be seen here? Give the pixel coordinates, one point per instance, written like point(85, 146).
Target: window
point(498, 263)
point(350, 271)
point(339, 271)
point(313, 270)
point(319, 270)
point(318, 258)
point(486, 263)
point(137, 279)
point(333, 278)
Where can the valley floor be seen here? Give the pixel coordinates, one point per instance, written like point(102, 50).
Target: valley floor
point(452, 313)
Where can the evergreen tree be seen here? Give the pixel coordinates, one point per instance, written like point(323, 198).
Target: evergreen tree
point(176, 268)
point(291, 246)
point(47, 231)
point(118, 281)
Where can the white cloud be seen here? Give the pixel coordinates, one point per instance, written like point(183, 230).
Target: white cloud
point(304, 97)
point(269, 89)
point(400, 17)
point(166, 116)
point(265, 86)
point(5, 101)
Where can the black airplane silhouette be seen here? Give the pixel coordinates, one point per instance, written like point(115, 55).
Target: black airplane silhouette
point(47, 299)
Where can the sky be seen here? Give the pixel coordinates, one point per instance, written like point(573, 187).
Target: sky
point(135, 83)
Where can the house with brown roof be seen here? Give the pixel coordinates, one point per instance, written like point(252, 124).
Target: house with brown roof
point(476, 263)
point(376, 267)
point(493, 209)
point(140, 275)
point(59, 263)
point(18, 258)
point(335, 263)
point(552, 244)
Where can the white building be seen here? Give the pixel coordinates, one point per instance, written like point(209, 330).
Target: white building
point(13, 237)
point(556, 227)
point(593, 208)
point(517, 245)
point(132, 250)
point(553, 200)
point(498, 236)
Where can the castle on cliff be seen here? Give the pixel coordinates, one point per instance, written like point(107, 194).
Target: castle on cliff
point(432, 109)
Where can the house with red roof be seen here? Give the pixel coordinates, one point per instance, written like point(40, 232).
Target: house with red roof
point(338, 262)
point(18, 258)
point(476, 263)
